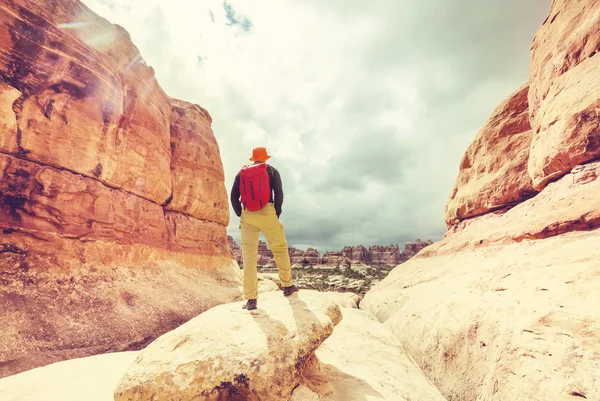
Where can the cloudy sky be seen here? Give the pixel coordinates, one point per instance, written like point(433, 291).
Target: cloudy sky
point(365, 106)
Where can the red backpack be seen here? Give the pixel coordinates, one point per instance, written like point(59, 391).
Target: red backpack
point(255, 189)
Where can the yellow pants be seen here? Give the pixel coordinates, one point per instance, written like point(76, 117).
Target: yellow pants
point(252, 223)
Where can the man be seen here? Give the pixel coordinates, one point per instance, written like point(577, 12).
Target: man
point(257, 197)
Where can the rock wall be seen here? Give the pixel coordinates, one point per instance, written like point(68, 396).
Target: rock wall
point(376, 255)
point(505, 306)
point(564, 90)
point(493, 171)
point(112, 202)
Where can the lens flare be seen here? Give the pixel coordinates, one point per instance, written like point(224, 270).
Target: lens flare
point(75, 25)
point(135, 60)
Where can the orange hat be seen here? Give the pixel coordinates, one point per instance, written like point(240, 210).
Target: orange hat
point(259, 155)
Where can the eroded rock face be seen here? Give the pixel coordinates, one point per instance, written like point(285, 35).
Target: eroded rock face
point(229, 353)
point(381, 255)
point(493, 172)
point(235, 250)
point(92, 110)
point(413, 248)
point(335, 259)
point(505, 305)
point(111, 194)
point(498, 322)
point(312, 257)
point(564, 90)
point(194, 149)
point(361, 358)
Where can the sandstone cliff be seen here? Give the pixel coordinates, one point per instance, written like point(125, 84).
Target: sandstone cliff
point(505, 306)
point(488, 180)
point(112, 201)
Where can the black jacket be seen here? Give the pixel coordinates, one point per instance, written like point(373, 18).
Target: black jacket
point(276, 191)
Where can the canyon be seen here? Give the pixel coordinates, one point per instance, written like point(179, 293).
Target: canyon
point(107, 247)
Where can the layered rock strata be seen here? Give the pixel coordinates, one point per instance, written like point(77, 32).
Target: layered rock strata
point(112, 201)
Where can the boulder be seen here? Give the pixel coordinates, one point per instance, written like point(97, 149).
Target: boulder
point(493, 172)
point(230, 353)
point(564, 90)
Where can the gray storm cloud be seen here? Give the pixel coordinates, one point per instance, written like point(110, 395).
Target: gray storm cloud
point(367, 107)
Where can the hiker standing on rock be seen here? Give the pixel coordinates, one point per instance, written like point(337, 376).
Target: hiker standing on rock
point(257, 197)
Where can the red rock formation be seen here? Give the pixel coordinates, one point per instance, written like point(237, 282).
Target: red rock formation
point(493, 171)
point(564, 87)
point(312, 257)
point(265, 256)
point(297, 257)
point(376, 255)
point(380, 255)
point(336, 259)
point(413, 248)
point(235, 250)
point(111, 194)
point(84, 106)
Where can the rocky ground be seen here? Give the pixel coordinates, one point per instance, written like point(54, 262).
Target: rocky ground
point(505, 306)
point(309, 347)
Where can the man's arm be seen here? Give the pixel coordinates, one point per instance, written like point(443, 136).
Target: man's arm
point(235, 196)
point(277, 191)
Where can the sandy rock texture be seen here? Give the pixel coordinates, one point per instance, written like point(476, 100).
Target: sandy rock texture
point(91, 379)
point(505, 306)
point(230, 353)
point(500, 322)
point(564, 90)
point(363, 360)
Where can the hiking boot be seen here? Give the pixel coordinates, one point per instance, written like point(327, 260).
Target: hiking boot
point(287, 291)
point(250, 305)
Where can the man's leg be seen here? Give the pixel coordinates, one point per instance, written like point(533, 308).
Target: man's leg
point(273, 231)
point(249, 255)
